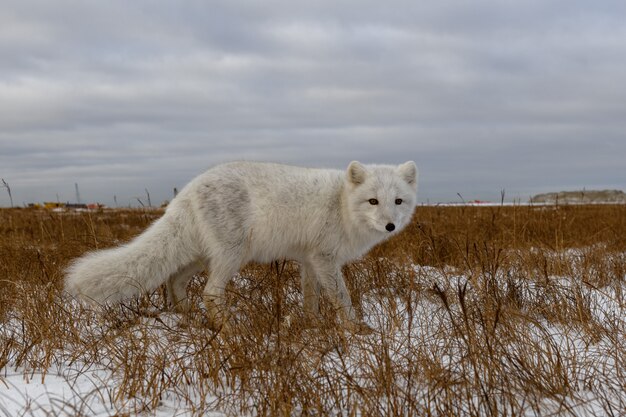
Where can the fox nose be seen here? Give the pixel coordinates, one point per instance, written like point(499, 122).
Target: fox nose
point(390, 227)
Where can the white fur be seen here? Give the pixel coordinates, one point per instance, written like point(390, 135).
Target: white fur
point(245, 211)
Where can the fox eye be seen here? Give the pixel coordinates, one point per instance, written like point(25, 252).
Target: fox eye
point(373, 201)
point(398, 201)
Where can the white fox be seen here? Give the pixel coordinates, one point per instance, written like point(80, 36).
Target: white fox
point(247, 211)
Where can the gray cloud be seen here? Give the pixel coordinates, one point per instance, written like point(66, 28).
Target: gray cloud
point(119, 96)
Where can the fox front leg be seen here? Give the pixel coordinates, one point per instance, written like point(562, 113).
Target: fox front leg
point(329, 275)
point(331, 279)
point(310, 290)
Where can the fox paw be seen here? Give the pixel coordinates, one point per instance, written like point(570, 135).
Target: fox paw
point(359, 327)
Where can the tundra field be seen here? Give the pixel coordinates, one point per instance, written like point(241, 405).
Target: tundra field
point(477, 311)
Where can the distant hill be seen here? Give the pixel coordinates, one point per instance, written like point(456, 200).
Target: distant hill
point(579, 197)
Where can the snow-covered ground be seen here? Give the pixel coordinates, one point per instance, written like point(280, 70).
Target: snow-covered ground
point(73, 388)
point(71, 391)
point(408, 328)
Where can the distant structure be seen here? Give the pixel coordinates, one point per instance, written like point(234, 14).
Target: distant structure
point(76, 206)
point(53, 205)
point(581, 197)
point(77, 193)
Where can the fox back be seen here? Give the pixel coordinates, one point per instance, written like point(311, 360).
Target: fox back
point(276, 211)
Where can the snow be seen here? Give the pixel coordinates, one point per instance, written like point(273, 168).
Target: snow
point(71, 390)
point(55, 393)
point(74, 388)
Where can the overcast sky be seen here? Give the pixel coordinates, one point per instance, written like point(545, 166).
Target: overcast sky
point(119, 96)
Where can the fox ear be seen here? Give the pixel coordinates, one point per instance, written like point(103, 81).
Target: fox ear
point(356, 173)
point(408, 172)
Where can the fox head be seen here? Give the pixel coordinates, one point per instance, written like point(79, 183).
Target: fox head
point(381, 198)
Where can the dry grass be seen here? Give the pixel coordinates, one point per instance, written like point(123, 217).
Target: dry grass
point(494, 311)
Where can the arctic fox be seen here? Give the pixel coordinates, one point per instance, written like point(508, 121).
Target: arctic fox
point(248, 211)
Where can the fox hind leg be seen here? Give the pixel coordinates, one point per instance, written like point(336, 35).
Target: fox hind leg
point(176, 286)
point(214, 291)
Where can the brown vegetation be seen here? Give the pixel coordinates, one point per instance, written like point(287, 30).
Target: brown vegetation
point(477, 311)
